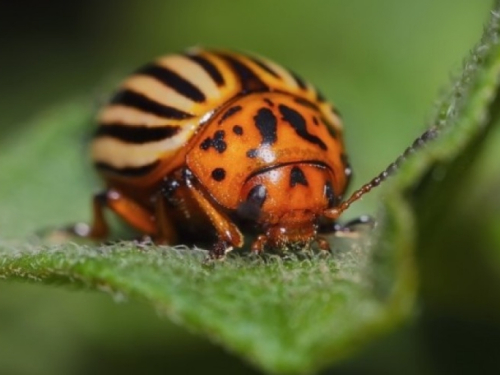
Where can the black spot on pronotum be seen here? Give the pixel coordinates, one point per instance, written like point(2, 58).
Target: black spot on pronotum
point(315, 120)
point(266, 123)
point(231, 111)
point(238, 130)
point(251, 207)
point(329, 194)
point(252, 153)
point(206, 144)
point(299, 124)
point(217, 142)
point(218, 174)
point(297, 177)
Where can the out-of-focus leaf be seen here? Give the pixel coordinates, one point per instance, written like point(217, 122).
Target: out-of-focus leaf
point(440, 184)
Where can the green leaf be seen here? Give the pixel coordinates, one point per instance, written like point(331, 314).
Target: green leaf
point(284, 315)
point(287, 316)
point(291, 315)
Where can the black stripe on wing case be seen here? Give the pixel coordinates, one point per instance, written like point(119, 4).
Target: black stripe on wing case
point(264, 66)
point(133, 99)
point(173, 80)
point(137, 134)
point(320, 96)
point(210, 68)
point(300, 82)
point(306, 103)
point(249, 80)
point(127, 171)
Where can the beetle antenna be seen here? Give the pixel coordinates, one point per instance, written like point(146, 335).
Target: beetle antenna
point(418, 143)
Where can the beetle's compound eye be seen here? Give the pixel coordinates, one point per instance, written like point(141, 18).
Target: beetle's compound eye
point(251, 207)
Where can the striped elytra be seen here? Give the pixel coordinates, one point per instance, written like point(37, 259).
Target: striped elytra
point(199, 144)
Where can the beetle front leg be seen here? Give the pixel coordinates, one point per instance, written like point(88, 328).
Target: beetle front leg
point(228, 233)
point(258, 244)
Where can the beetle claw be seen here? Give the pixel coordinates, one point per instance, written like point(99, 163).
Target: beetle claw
point(220, 249)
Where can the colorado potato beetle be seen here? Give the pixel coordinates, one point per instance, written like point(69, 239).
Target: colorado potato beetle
point(206, 143)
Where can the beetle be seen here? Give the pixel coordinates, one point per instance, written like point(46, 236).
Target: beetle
point(206, 143)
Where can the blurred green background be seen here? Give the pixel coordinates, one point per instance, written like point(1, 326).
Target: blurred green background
point(382, 62)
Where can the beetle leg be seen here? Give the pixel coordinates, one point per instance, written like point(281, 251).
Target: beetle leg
point(128, 210)
point(258, 244)
point(227, 231)
point(166, 230)
point(169, 187)
point(99, 228)
point(323, 244)
point(352, 227)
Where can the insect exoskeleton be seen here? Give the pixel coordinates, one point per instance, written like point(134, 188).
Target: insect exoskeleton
point(201, 144)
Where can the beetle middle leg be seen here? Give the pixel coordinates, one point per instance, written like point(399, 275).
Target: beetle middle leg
point(134, 214)
point(165, 228)
point(166, 232)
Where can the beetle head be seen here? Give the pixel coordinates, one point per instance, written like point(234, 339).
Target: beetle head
point(288, 200)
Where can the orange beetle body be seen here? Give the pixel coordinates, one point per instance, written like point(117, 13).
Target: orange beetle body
point(208, 142)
